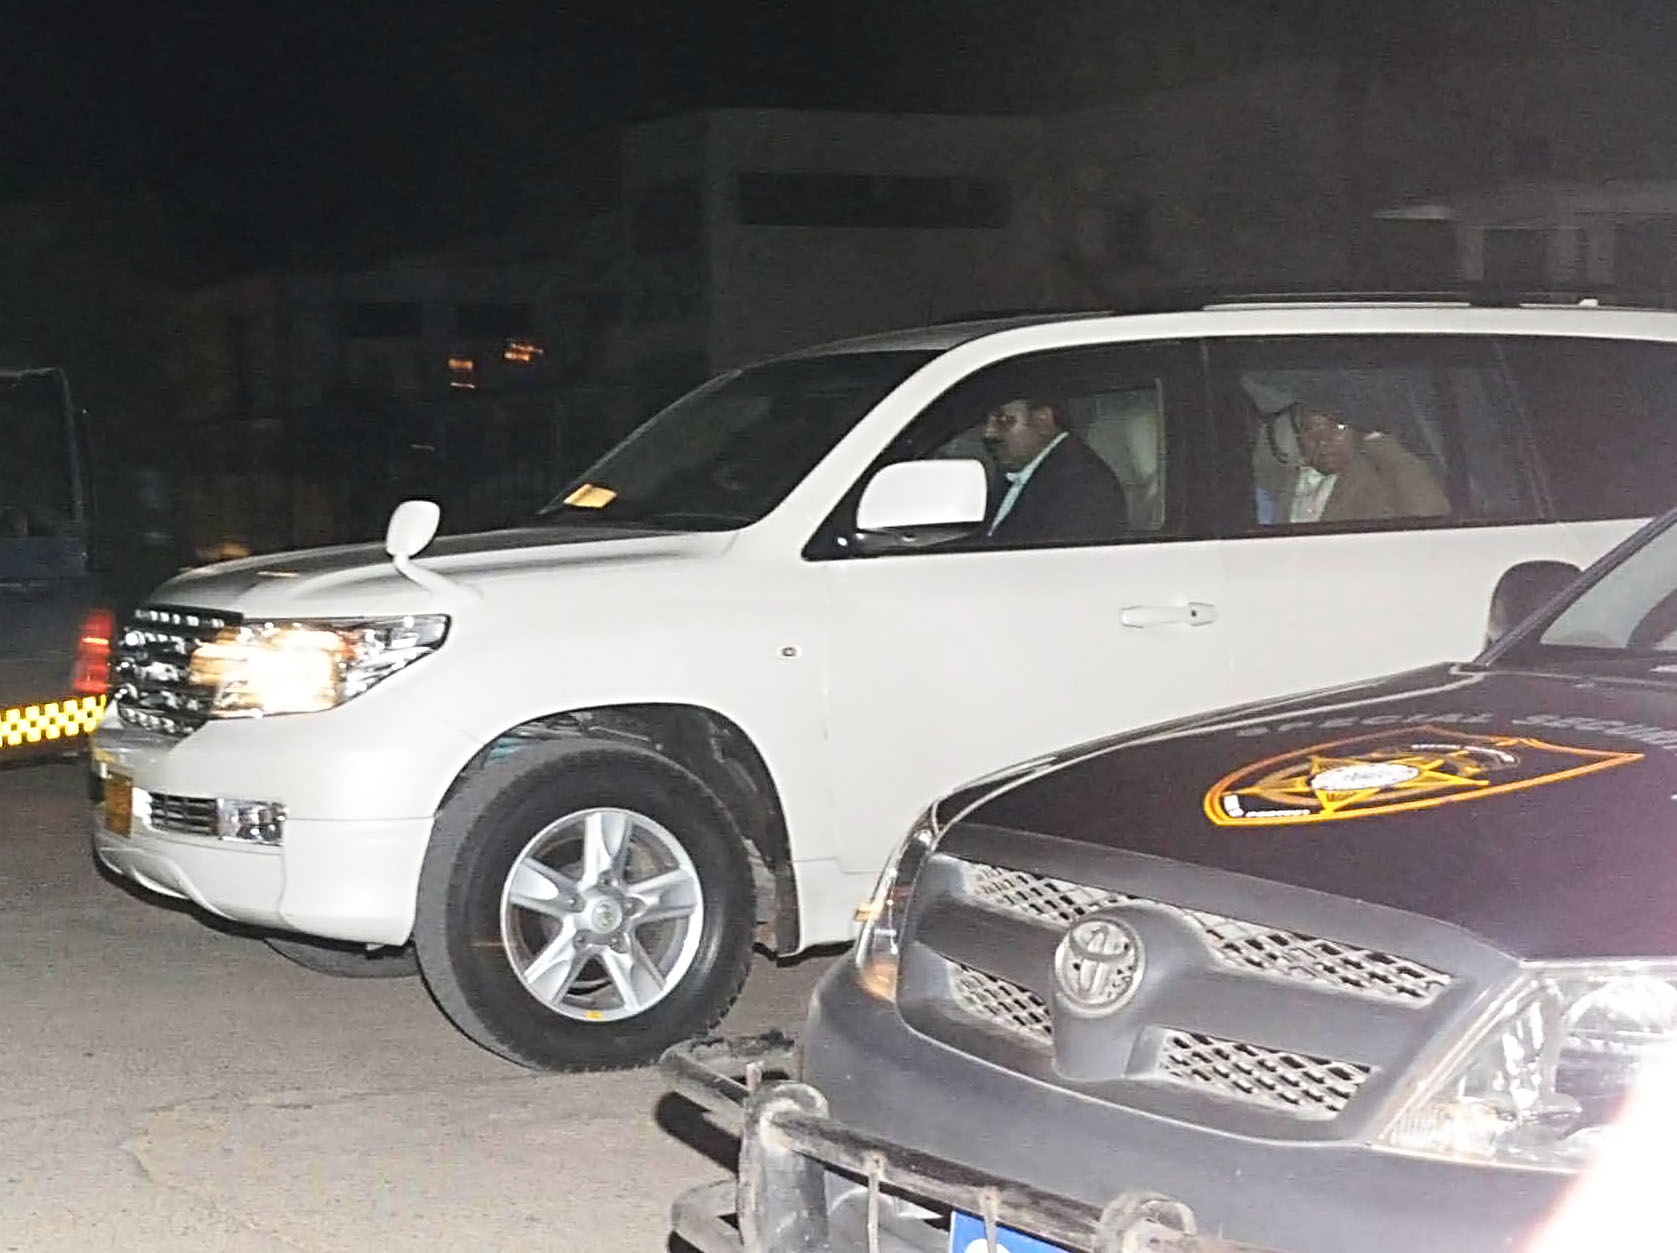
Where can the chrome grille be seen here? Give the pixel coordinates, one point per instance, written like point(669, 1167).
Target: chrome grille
point(1366, 972)
point(184, 815)
point(1003, 1004)
point(1038, 896)
point(1245, 946)
point(149, 664)
point(1295, 1083)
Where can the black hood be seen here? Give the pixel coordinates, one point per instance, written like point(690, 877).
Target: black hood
point(1538, 811)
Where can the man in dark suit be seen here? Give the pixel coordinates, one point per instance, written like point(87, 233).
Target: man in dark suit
point(1058, 491)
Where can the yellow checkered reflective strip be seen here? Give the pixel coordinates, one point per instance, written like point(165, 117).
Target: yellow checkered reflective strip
point(56, 720)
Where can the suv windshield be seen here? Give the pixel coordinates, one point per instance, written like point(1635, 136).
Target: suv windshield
point(1628, 614)
point(723, 456)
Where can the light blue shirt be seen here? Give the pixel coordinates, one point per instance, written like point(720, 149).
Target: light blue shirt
point(1017, 480)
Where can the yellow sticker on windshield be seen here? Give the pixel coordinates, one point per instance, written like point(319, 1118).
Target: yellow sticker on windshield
point(590, 497)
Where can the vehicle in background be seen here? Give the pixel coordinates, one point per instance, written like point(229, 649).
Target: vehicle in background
point(578, 767)
point(54, 635)
point(1384, 967)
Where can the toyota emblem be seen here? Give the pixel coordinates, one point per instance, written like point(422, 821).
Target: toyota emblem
point(1098, 965)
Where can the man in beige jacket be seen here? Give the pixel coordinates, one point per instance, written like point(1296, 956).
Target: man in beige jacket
point(1349, 475)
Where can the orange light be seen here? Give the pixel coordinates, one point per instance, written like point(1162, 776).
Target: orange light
point(522, 352)
point(91, 675)
point(461, 371)
point(48, 723)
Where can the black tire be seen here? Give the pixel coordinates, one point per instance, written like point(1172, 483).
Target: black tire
point(345, 960)
point(477, 837)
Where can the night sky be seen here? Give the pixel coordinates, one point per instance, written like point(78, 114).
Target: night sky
point(373, 125)
point(310, 131)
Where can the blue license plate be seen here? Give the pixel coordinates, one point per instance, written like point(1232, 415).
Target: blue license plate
point(966, 1235)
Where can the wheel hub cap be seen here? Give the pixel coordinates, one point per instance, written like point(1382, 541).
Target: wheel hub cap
point(605, 915)
point(601, 914)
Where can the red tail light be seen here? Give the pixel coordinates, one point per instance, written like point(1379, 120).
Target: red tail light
point(92, 673)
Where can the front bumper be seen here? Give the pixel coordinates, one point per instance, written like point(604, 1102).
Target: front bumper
point(359, 795)
point(808, 1183)
point(1302, 1196)
point(344, 881)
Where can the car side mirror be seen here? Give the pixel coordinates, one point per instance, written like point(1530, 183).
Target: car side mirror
point(413, 525)
point(913, 504)
point(1522, 591)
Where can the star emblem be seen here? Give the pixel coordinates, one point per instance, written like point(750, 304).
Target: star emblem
point(1390, 771)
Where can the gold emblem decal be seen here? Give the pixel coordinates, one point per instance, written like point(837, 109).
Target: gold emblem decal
point(1390, 771)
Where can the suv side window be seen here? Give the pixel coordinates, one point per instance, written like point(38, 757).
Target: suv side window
point(1125, 411)
point(1367, 432)
point(1604, 412)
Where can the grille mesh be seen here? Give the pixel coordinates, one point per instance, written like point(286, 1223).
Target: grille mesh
point(185, 815)
point(1296, 1083)
point(1003, 1004)
point(1245, 946)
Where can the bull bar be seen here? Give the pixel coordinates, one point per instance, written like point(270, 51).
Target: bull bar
point(789, 1145)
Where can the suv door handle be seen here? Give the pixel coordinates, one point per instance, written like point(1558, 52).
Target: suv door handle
point(1194, 613)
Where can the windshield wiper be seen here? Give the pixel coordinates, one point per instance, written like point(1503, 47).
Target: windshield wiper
point(1582, 659)
point(706, 518)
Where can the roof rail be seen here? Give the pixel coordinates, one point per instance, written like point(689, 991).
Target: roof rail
point(1339, 296)
point(1483, 295)
point(1022, 311)
point(1189, 299)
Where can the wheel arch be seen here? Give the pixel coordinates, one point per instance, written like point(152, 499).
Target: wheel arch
point(712, 747)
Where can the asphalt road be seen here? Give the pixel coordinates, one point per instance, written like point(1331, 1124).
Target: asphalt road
point(165, 1085)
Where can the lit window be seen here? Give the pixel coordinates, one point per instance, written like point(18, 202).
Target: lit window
point(522, 352)
point(462, 373)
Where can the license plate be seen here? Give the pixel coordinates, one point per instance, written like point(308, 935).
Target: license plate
point(119, 803)
point(966, 1235)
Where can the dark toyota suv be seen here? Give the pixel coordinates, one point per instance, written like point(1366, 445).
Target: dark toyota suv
point(1386, 967)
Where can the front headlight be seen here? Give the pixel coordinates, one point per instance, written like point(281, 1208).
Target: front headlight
point(879, 944)
point(280, 667)
point(1552, 1071)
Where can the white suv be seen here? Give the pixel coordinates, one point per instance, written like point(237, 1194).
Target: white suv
point(573, 770)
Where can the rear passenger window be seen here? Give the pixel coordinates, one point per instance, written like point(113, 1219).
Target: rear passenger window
point(1604, 412)
point(1340, 432)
